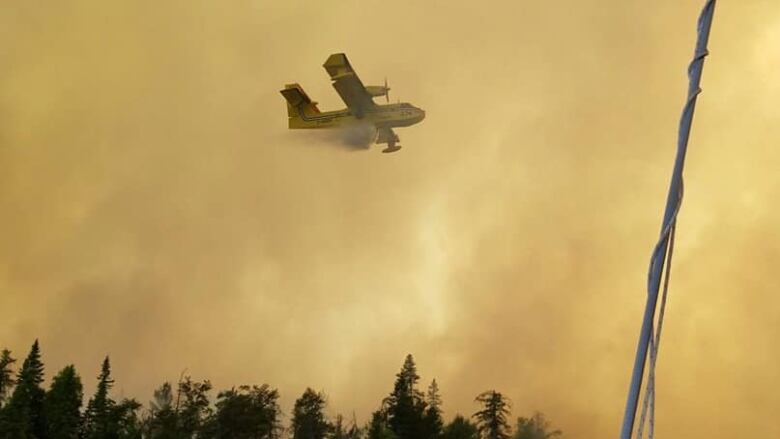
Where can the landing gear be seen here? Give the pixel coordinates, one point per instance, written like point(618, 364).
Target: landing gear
point(386, 135)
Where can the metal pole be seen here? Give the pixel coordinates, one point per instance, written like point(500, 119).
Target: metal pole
point(672, 204)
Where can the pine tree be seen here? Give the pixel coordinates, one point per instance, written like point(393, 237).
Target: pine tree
point(432, 397)
point(492, 419)
point(63, 405)
point(23, 416)
point(107, 419)
point(432, 420)
point(535, 427)
point(406, 405)
point(6, 375)
point(460, 428)
point(98, 417)
point(308, 421)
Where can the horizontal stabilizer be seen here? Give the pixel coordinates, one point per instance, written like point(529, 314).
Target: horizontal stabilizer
point(296, 96)
point(298, 101)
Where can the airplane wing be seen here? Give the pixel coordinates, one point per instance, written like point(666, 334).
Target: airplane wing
point(348, 85)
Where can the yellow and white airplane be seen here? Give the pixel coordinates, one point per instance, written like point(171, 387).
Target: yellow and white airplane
point(303, 113)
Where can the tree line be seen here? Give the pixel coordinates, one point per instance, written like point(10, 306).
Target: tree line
point(184, 411)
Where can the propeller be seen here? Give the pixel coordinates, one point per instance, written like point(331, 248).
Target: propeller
point(387, 91)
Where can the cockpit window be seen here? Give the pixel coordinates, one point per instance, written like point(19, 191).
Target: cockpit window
point(406, 105)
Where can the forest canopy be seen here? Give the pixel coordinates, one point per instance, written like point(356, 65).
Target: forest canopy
point(186, 410)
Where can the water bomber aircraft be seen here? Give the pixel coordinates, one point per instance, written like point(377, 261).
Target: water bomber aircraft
point(303, 113)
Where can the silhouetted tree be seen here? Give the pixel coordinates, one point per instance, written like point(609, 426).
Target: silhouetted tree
point(406, 405)
point(107, 419)
point(308, 421)
point(239, 413)
point(124, 416)
point(460, 428)
point(339, 431)
point(97, 418)
point(492, 419)
point(63, 405)
point(245, 413)
point(6, 375)
point(379, 428)
point(23, 416)
point(193, 407)
point(432, 421)
point(163, 418)
point(354, 431)
point(535, 427)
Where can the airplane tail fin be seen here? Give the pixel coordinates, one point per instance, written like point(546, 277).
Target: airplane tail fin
point(298, 102)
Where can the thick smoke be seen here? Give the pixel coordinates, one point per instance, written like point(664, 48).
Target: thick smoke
point(156, 208)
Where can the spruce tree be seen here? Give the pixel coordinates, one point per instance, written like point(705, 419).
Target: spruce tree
point(432, 420)
point(308, 421)
point(406, 405)
point(6, 375)
point(97, 418)
point(492, 419)
point(63, 404)
point(104, 418)
point(23, 416)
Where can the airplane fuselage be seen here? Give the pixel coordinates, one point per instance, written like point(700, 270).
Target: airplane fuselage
point(381, 116)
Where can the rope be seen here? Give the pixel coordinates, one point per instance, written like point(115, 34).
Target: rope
point(660, 262)
point(655, 342)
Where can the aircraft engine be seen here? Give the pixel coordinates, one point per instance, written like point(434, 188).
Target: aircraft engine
point(376, 90)
point(379, 90)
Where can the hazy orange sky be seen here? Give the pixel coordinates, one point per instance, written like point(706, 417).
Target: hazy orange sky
point(156, 208)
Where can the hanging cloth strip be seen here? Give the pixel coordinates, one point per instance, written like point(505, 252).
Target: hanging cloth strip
point(660, 261)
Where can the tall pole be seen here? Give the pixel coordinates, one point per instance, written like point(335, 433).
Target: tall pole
point(670, 216)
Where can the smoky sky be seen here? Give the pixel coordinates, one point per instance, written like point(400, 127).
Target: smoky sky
point(156, 208)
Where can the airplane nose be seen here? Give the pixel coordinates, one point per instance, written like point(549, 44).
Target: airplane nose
point(422, 114)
